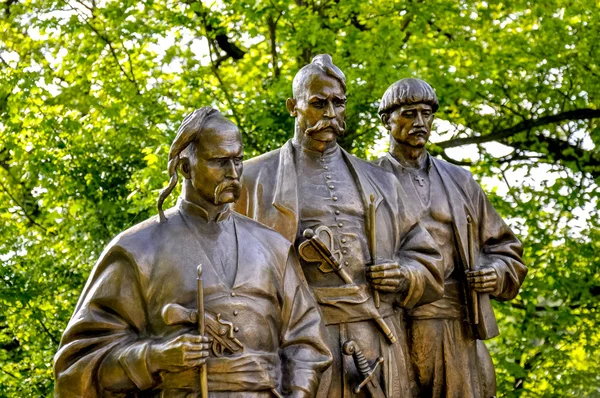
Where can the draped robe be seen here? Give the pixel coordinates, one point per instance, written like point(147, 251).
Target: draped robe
point(104, 350)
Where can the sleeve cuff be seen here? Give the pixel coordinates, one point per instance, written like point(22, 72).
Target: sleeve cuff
point(415, 289)
point(302, 383)
point(500, 274)
point(134, 360)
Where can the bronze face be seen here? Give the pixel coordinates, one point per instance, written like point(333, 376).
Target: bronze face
point(411, 124)
point(214, 165)
point(320, 109)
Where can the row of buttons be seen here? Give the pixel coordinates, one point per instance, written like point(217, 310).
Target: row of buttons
point(335, 199)
point(235, 313)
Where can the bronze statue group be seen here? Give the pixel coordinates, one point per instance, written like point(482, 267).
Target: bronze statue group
point(323, 275)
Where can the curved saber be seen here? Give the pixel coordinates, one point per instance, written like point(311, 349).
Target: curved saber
point(326, 257)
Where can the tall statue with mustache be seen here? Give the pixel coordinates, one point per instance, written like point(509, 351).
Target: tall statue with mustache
point(482, 256)
point(148, 325)
point(363, 255)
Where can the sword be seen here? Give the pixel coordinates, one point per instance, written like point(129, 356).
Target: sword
point(329, 263)
point(370, 379)
point(201, 331)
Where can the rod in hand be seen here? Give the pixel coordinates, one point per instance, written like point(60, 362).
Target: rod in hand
point(373, 242)
point(472, 267)
point(201, 331)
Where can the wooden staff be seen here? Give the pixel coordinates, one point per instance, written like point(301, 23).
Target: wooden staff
point(201, 330)
point(373, 242)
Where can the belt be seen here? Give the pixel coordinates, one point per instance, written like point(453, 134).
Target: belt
point(349, 303)
point(250, 371)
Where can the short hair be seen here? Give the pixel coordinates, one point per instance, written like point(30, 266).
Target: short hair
point(322, 64)
point(408, 91)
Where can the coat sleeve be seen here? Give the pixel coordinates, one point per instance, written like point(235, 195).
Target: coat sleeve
point(304, 352)
point(499, 248)
point(102, 349)
point(420, 255)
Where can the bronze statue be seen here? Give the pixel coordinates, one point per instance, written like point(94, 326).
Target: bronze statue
point(320, 198)
point(135, 331)
point(482, 257)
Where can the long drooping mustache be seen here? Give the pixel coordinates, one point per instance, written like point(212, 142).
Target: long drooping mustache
point(235, 184)
point(326, 123)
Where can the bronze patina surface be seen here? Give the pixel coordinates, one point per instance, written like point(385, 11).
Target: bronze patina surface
point(482, 256)
point(134, 332)
point(319, 197)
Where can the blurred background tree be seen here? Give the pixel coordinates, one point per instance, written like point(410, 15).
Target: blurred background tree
point(92, 91)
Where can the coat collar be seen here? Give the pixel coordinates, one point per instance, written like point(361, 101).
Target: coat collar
point(285, 198)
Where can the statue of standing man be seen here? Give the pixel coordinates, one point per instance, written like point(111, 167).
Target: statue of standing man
point(134, 332)
point(365, 258)
point(482, 256)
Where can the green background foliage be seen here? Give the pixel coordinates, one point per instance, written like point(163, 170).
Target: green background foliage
point(92, 91)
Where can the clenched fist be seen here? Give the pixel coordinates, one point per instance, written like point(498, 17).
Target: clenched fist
point(388, 277)
point(179, 353)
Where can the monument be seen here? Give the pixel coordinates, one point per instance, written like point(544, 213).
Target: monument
point(363, 254)
point(340, 278)
point(198, 301)
point(482, 256)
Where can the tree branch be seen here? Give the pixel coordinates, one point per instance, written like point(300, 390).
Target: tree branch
point(272, 24)
point(25, 213)
point(112, 50)
point(578, 114)
point(231, 49)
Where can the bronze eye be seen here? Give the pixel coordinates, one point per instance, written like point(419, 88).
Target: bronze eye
point(319, 104)
point(339, 102)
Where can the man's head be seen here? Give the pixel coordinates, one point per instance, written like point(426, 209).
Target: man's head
point(407, 109)
point(319, 103)
point(208, 151)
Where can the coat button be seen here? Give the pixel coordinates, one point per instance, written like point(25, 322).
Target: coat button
point(334, 198)
point(236, 329)
point(344, 251)
point(345, 262)
point(331, 186)
point(232, 294)
point(337, 212)
point(326, 167)
point(340, 224)
point(235, 313)
point(344, 240)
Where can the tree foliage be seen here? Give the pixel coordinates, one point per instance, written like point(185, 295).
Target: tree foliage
point(92, 91)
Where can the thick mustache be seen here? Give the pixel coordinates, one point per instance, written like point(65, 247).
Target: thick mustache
point(324, 124)
point(225, 185)
point(417, 131)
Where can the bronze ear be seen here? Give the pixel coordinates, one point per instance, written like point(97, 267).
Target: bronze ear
point(385, 118)
point(290, 104)
point(184, 167)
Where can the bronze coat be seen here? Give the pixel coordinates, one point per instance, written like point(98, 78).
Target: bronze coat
point(448, 359)
point(153, 264)
point(495, 244)
point(269, 195)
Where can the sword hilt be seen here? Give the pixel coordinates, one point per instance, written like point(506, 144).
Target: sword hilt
point(351, 348)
